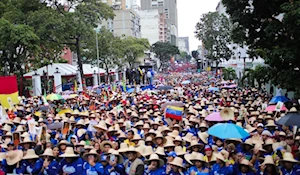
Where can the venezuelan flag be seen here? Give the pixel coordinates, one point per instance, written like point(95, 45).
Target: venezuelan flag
point(8, 91)
point(174, 112)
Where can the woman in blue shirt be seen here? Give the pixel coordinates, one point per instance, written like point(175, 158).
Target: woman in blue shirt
point(221, 167)
point(91, 165)
point(155, 165)
point(115, 164)
point(48, 163)
point(198, 165)
point(71, 164)
point(30, 163)
point(245, 168)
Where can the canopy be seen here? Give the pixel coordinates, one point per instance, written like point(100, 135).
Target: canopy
point(67, 70)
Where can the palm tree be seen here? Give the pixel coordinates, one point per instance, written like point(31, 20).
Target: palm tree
point(229, 74)
point(260, 74)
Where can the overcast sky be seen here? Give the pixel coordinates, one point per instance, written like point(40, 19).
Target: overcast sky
point(189, 12)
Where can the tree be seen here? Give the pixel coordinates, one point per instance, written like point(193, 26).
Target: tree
point(164, 51)
point(260, 74)
point(270, 29)
point(134, 48)
point(229, 74)
point(214, 31)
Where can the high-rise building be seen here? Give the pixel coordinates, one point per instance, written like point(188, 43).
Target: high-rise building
point(150, 20)
point(169, 9)
point(183, 44)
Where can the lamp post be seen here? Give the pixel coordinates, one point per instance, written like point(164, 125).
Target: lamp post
point(239, 55)
point(97, 30)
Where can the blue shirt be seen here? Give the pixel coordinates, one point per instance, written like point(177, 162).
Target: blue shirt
point(118, 170)
point(294, 171)
point(51, 169)
point(159, 171)
point(29, 168)
point(93, 170)
point(73, 168)
point(195, 169)
point(217, 170)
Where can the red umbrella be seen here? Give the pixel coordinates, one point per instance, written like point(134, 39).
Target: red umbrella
point(272, 108)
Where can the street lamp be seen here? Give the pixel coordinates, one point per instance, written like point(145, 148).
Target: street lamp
point(239, 55)
point(97, 30)
point(57, 70)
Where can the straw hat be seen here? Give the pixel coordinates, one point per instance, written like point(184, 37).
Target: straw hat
point(30, 154)
point(179, 151)
point(8, 134)
point(69, 153)
point(14, 157)
point(271, 123)
point(7, 128)
point(268, 142)
point(245, 162)
point(106, 142)
point(177, 161)
point(177, 139)
point(120, 158)
point(194, 143)
point(198, 157)
point(155, 157)
point(220, 156)
point(17, 120)
point(48, 152)
point(268, 160)
point(159, 135)
point(136, 137)
point(227, 114)
point(288, 157)
point(101, 125)
point(169, 143)
point(80, 123)
point(19, 128)
point(27, 140)
point(81, 132)
point(123, 147)
point(160, 151)
point(92, 152)
point(148, 150)
point(203, 137)
point(174, 133)
point(25, 134)
point(63, 142)
point(248, 142)
point(188, 137)
point(133, 149)
point(203, 125)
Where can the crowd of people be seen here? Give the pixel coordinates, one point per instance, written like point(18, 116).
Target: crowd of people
point(129, 134)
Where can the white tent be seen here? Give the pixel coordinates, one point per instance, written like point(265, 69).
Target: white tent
point(65, 70)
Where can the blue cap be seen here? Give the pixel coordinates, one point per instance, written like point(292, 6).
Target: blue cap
point(172, 154)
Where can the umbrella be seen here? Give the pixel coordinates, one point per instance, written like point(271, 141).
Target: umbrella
point(73, 95)
point(278, 99)
point(227, 131)
point(214, 117)
point(272, 108)
point(213, 89)
point(66, 96)
point(165, 87)
point(44, 108)
point(230, 86)
point(54, 97)
point(173, 103)
point(130, 90)
point(290, 119)
point(68, 92)
point(186, 82)
point(55, 126)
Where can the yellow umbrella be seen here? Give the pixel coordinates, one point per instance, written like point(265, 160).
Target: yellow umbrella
point(73, 95)
point(38, 113)
point(65, 111)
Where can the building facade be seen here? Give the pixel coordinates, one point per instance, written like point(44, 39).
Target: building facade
point(169, 10)
point(183, 44)
point(150, 25)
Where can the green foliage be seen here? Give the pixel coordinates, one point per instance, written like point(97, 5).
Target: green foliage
point(229, 74)
point(214, 31)
point(270, 29)
point(184, 56)
point(260, 74)
point(195, 54)
point(134, 48)
point(164, 51)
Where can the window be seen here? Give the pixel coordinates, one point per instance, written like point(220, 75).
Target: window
point(154, 3)
point(167, 13)
point(161, 3)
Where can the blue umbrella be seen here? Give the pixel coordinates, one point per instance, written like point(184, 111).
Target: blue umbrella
point(186, 82)
point(130, 90)
point(279, 98)
point(227, 130)
point(213, 89)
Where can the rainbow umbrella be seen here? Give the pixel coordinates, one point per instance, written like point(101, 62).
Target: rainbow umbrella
point(54, 97)
point(73, 95)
